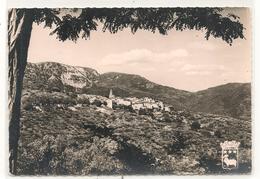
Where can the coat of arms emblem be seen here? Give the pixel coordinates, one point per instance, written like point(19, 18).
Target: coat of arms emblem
point(229, 154)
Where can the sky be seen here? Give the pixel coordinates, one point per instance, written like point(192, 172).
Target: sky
point(183, 60)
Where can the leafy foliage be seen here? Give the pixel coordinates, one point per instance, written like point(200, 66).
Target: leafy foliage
point(71, 24)
point(47, 16)
point(195, 125)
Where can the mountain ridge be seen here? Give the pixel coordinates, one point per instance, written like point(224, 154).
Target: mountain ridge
point(55, 76)
point(112, 72)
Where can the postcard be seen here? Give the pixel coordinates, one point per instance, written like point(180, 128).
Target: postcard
point(129, 91)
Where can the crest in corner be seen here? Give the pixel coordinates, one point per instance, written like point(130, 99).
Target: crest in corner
point(229, 154)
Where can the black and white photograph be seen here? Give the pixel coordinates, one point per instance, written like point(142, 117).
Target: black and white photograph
point(129, 91)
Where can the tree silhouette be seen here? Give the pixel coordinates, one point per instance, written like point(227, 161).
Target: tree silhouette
point(71, 24)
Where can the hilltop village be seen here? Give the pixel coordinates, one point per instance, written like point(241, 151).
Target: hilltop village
point(131, 103)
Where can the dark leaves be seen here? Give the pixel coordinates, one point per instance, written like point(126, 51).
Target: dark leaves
point(68, 28)
point(47, 16)
point(161, 20)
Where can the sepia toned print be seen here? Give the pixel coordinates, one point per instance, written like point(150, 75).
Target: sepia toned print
point(129, 91)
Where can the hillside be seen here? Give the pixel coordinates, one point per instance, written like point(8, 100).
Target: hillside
point(61, 135)
point(233, 99)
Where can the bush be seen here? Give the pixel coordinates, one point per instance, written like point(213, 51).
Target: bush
point(28, 106)
point(129, 108)
point(105, 103)
point(142, 112)
point(209, 163)
point(55, 89)
point(167, 117)
point(178, 145)
point(82, 100)
point(218, 133)
point(86, 101)
point(195, 125)
point(73, 95)
point(97, 103)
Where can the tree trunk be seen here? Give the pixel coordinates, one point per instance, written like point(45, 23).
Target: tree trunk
point(19, 33)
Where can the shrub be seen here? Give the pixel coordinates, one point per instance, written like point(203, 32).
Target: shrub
point(97, 103)
point(142, 112)
point(195, 125)
point(129, 108)
point(218, 133)
point(209, 163)
point(178, 145)
point(105, 103)
point(55, 89)
point(28, 106)
point(167, 117)
point(83, 101)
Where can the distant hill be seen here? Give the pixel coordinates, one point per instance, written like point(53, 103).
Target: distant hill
point(233, 99)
